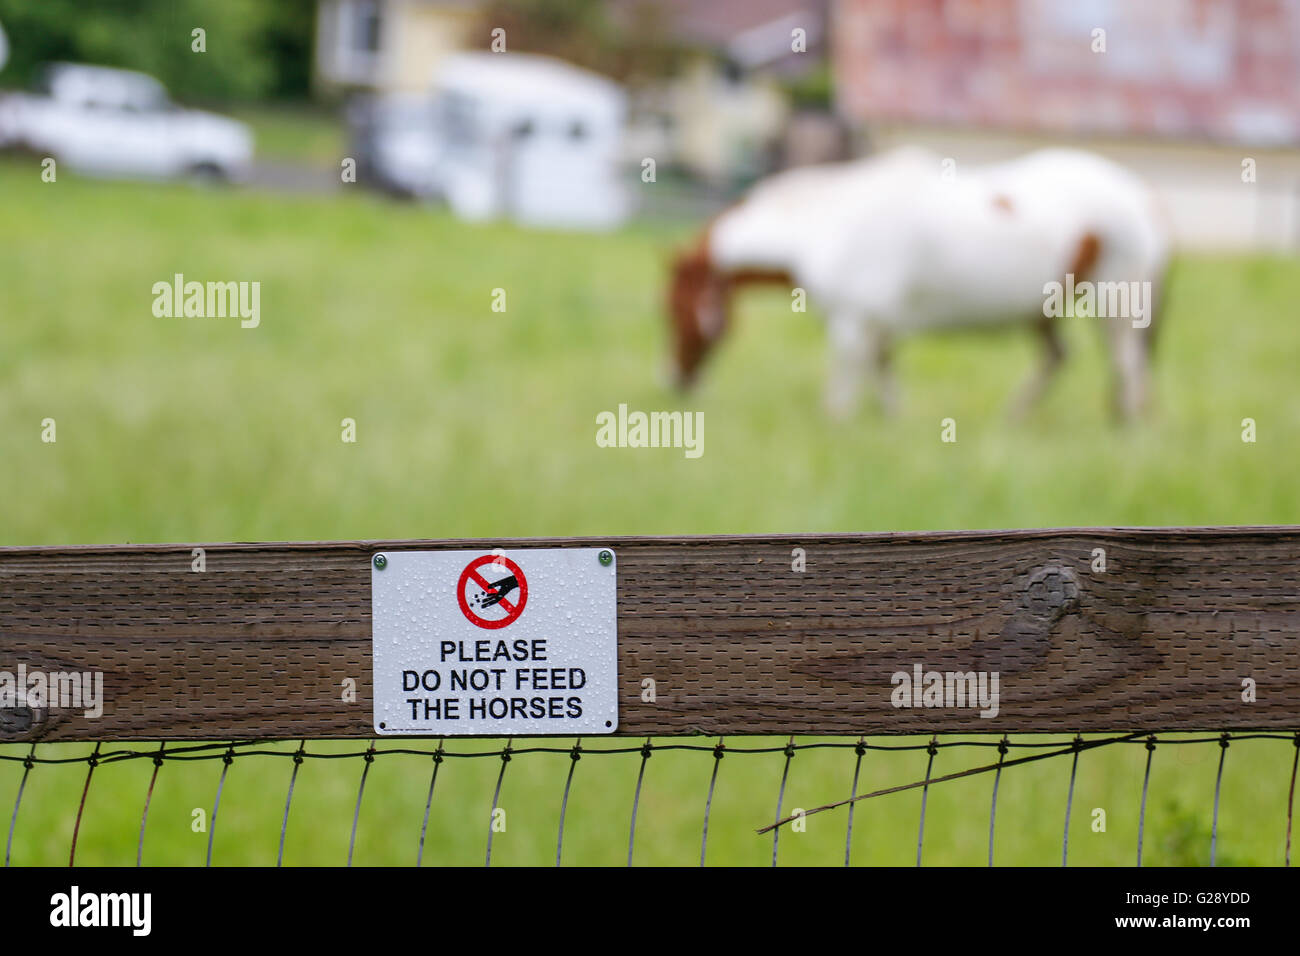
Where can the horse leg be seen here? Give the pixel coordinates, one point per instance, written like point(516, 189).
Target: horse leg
point(850, 349)
point(1132, 348)
point(882, 356)
point(855, 345)
point(1128, 352)
point(1049, 334)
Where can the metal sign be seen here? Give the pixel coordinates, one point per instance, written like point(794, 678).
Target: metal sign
point(495, 643)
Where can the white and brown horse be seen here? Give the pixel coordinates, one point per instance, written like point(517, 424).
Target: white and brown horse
point(905, 242)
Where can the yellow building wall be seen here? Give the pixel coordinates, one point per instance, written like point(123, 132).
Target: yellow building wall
point(418, 35)
point(717, 120)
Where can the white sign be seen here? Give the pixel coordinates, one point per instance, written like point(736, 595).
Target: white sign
point(498, 643)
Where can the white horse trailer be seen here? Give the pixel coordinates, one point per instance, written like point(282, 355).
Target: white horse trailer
point(530, 138)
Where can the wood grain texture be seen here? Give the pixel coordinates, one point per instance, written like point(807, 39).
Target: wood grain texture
point(258, 645)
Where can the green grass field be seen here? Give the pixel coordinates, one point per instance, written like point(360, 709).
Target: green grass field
point(477, 423)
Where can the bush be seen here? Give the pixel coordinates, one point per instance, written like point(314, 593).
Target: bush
point(253, 49)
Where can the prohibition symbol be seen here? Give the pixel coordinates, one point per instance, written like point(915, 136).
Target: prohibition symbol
point(492, 603)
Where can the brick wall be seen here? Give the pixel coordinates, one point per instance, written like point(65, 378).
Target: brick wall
point(1225, 70)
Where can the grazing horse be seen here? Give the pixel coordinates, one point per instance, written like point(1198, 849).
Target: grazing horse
point(905, 242)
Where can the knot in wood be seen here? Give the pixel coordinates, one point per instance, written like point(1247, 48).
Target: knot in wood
point(1050, 591)
point(20, 720)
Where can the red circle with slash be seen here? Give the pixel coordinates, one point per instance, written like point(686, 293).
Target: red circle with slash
point(474, 611)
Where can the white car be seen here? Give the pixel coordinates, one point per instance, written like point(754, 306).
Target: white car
point(108, 122)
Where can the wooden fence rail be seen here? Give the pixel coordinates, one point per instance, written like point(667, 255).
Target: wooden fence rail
point(1087, 629)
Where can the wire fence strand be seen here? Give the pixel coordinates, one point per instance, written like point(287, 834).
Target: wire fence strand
point(227, 760)
point(428, 803)
point(1069, 801)
point(646, 750)
point(861, 750)
point(574, 757)
point(369, 759)
point(780, 795)
point(1290, 795)
point(718, 751)
point(496, 802)
point(148, 797)
point(91, 762)
point(1146, 784)
point(288, 800)
point(932, 749)
point(28, 763)
point(1218, 786)
point(997, 779)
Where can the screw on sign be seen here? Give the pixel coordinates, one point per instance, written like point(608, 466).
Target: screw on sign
point(487, 597)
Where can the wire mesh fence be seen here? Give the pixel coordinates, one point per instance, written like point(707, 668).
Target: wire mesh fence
point(1094, 799)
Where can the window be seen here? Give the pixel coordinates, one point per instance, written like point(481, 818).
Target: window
point(363, 26)
point(358, 39)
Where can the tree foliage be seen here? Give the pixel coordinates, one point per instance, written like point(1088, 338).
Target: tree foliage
point(630, 41)
point(254, 48)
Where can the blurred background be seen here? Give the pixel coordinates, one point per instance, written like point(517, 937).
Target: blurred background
point(718, 93)
point(384, 174)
